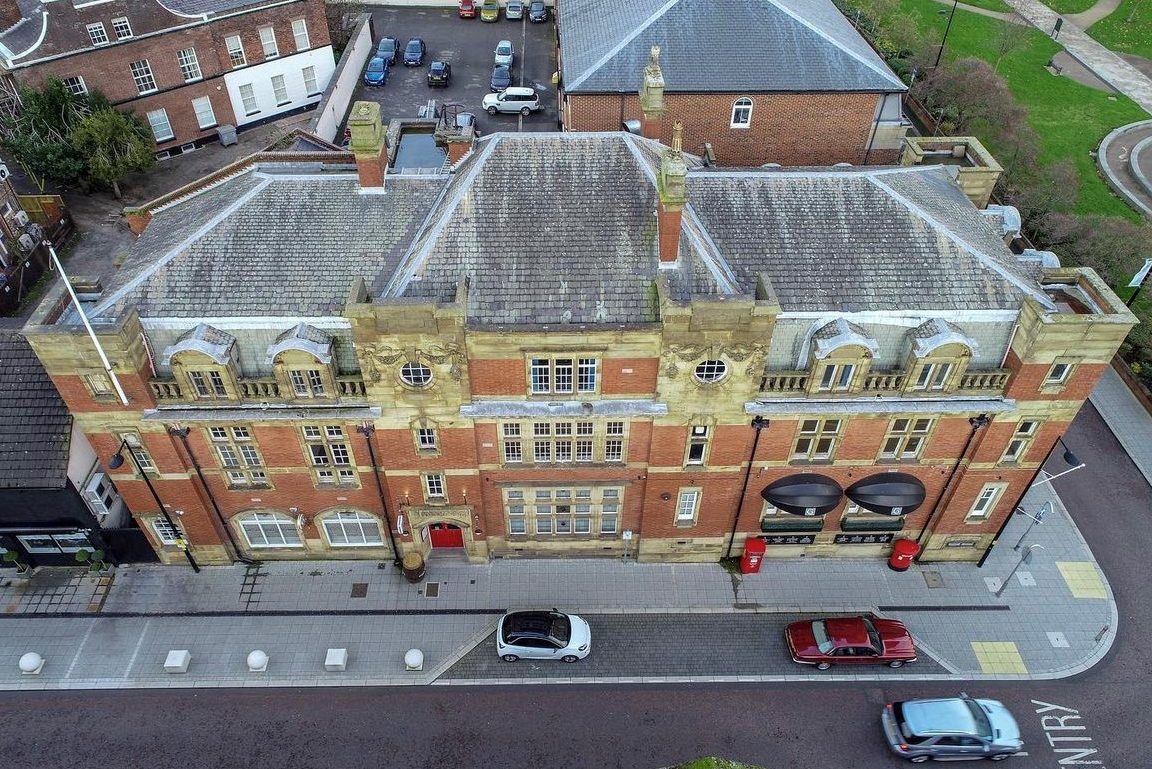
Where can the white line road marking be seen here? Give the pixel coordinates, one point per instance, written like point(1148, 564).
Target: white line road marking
point(80, 650)
point(136, 651)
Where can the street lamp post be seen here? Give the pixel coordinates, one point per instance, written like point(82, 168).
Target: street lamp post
point(1032, 521)
point(1025, 557)
point(947, 29)
point(182, 433)
point(116, 462)
point(758, 424)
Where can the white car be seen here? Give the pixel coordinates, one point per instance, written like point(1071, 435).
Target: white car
point(505, 53)
point(542, 635)
point(522, 100)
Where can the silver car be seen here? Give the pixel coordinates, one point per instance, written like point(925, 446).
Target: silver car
point(951, 729)
point(542, 635)
point(514, 11)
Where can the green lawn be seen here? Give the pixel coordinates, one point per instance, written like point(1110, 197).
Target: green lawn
point(990, 5)
point(1117, 33)
point(1071, 119)
point(1066, 7)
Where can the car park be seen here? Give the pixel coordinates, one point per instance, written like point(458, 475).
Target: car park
point(951, 729)
point(501, 78)
point(537, 12)
point(377, 72)
point(542, 635)
point(505, 53)
point(388, 49)
point(490, 10)
point(439, 73)
point(522, 100)
point(865, 640)
point(467, 9)
point(514, 10)
point(414, 52)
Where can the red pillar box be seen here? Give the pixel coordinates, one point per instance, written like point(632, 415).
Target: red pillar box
point(903, 551)
point(753, 555)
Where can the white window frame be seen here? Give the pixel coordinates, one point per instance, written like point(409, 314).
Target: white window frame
point(563, 375)
point(157, 120)
point(933, 376)
point(268, 42)
point(1058, 374)
point(814, 437)
point(1021, 440)
point(189, 65)
point(122, 21)
point(327, 452)
point(311, 84)
point(907, 441)
point(710, 371)
point(280, 90)
point(288, 533)
point(248, 99)
point(166, 534)
point(300, 35)
point(581, 511)
point(200, 116)
point(142, 75)
point(699, 437)
point(143, 459)
point(986, 502)
point(98, 34)
point(427, 440)
point(688, 506)
point(837, 377)
point(76, 85)
point(435, 486)
point(415, 374)
point(236, 55)
point(742, 113)
point(349, 523)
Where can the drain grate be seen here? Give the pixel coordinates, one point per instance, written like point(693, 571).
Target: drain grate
point(431, 589)
point(359, 589)
point(934, 578)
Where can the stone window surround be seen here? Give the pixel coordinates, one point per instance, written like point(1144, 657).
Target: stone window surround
point(600, 500)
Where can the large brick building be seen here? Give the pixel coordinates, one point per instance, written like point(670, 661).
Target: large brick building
point(322, 360)
point(186, 67)
point(759, 81)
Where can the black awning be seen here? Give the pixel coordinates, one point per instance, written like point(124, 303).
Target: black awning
point(804, 494)
point(888, 493)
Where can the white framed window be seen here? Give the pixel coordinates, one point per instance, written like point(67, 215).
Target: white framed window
point(742, 112)
point(268, 42)
point(614, 442)
point(768, 510)
point(563, 441)
point(933, 376)
point(270, 530)
point(837, 377)
point(300, 35)
point(206, 385)
point(511, 443)
point(142, 76)
point(162, 130)
point(434, 486)
point(98, 385)
point(307, 382)
point(205, 115)
point(415, 374)
point(710, 371)
point(239, 458)
point(122, 28)
point(166, 533)
point(55, 543)
point(426, 440)
point(547, 512)
point(310, 86)
point(986, 502)
point(235, 51)
point(698, 438)
point(76, 85)
point(1022, 439)
point(352, 529)
point(906, 438)
point(562, 375)
point(687, 506)
point(816, 439)
point(280, 90)
point(139, 453)
point(248, 97)
point(327, 451)
point(1058, 374)
point(98, 34)
point(189, 64)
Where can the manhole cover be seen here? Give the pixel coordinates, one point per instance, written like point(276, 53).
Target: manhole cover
point(431, 589)
point(359, 589)
point(934, 578)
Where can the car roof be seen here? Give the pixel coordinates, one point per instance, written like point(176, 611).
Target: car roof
point(519, 90)
point(847, 631)
point(530, 622)
point(948, 716)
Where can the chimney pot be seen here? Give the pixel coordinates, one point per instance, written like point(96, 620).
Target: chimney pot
point(673, 191)
point(652, 96)
point(368, 144)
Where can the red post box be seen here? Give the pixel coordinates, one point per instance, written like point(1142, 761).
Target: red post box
point(903, 551)
point(754, 548)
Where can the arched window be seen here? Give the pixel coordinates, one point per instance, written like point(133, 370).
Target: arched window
point(270, 530)
point(742, 112)
point(349, 528)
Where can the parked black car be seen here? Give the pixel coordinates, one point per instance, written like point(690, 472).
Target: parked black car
point(388, 49)
point(439, 73)
point(537, 12)
point(501, 78)
point(414, 52)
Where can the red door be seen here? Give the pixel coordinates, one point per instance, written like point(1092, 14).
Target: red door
point(445, 535)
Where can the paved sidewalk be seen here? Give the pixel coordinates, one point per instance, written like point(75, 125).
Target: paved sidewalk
point(1126, 418)
point(651, 622)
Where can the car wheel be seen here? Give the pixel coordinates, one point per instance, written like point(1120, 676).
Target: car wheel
point(896, 664)
point(823, 665)
point(570, 658)
point(525, 111)
point(999, 756)
point(491, 110)
point(510, 658)
point(919, 759)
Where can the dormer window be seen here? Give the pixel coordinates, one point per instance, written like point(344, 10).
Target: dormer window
point(207, 385)
point(203, 364)
point(841, 356)
point(301, 360)
point(837, 377)
point(98, 34)
point(939, 357)
point(933, 376)
point(122, 28)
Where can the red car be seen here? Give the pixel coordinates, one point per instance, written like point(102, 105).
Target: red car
point(850, 641)
point(467, 9)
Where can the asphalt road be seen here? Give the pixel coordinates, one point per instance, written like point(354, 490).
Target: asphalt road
point(1098, 719)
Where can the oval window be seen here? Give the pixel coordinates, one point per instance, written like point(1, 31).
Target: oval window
point(416, 374)
point(711, 371)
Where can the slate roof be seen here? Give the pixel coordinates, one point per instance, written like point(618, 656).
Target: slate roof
point(35, 427)
point(751, 46)
point(560, 228)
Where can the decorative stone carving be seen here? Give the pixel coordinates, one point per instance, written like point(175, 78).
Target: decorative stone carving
point(378, 356)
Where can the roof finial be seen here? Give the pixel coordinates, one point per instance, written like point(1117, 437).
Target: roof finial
point(654, 57)
point(677, 137)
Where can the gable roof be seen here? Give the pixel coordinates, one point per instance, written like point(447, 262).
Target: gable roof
point(751, 46)
point(35, 427)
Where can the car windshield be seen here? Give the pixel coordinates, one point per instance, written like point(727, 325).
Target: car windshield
point(873, 636)
point(413, 47)
point(437, 68)
point(387, 43)
point(504, 49)
point(376, 65)
point(820, 633)
point(983, 727)
point(561, 628)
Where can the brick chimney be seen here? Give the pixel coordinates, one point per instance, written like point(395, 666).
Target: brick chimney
point(652, 96)
point(672, 188)
point(138, 219)
point(368, 144)
point(10, 13)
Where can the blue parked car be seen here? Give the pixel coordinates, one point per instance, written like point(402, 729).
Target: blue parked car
point(388, 49)
point(414, 53)
point(377, 72)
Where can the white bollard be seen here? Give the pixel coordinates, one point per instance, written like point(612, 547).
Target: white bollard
point(257, 661)
point(336, 660)
point(413, 659)
point(31, 664)
point(177, 661)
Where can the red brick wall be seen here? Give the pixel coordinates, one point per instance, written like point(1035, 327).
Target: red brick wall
point(618, 380)
point(504, 376)
point(790, 129)
point(1027, 382)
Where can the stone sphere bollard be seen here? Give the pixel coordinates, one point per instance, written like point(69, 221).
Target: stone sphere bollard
point(257, 661)
point(31, 664)
point(413, 659)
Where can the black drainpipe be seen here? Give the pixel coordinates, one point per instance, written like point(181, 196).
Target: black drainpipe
point(237, 553)
point(758, 424)
point(367, 429)
point(977, 423)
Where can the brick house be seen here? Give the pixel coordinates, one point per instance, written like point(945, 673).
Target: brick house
point(760, 81)
point(678, 358)
point(187, 67)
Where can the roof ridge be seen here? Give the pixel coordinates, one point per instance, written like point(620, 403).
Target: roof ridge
point(206, 188)
point(620, 46)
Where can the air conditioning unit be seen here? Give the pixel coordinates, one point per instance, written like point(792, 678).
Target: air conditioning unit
point(27, 242)
point(21, 218)
point(98, 493)
point(4, 172)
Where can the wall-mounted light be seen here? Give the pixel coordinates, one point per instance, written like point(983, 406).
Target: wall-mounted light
point(665, 496)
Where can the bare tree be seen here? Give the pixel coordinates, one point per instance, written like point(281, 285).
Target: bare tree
point(1010, 37)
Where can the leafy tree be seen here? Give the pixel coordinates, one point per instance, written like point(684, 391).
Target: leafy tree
point(115, 144)
point(38, 135)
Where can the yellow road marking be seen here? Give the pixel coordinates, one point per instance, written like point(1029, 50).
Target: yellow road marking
point(998, 657)
point(1082, 579)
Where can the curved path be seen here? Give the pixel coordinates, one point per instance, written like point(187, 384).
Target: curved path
point(1125, 159)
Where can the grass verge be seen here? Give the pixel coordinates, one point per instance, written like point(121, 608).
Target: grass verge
point(1117, 33)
